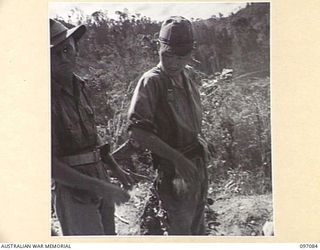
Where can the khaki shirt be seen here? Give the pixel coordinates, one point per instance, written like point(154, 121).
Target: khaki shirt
point(173, 113)
point(73, 125)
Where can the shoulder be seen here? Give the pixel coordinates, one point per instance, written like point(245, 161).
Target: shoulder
point(152, 75)
point(150, 86)
point(152, 80)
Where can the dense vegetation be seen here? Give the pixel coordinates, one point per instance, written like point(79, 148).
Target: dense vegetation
point(115, 52)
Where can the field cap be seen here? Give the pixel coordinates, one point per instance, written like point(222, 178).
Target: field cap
point(59, 32)
point(176, 35)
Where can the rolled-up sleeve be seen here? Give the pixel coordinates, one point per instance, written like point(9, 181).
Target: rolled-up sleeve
point(144, 103)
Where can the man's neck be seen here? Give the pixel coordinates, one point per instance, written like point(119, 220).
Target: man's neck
point(178, 79)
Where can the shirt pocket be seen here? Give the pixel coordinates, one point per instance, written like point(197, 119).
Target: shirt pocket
point(88, 121)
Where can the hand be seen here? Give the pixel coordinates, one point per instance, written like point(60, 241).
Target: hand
point(180, 186)
point(124, 177)
point(185, 169)
point(117, 171)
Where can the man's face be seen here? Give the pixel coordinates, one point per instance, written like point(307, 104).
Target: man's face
point(173, 64)
point(63, 58)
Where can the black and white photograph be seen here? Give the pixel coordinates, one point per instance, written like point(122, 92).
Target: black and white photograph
point(160, 119)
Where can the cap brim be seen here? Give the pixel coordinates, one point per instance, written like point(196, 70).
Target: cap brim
point(76, 33)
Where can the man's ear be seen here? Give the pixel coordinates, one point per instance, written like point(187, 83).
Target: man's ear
point(158, 46)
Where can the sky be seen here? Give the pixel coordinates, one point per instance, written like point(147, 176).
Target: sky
point(155, 10)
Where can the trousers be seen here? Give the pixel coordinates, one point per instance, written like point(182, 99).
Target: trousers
point(82, 213)
point(185, 213)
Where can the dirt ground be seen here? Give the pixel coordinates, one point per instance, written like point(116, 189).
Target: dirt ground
point(127, 216)
point(228, 215)
point(242, 215)
point(236, 215)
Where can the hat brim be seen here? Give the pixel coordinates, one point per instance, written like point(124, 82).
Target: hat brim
point(76, 33)
point(180, 50)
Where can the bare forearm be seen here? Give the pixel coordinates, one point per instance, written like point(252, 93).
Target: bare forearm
point(155, 144)
point(182, 166)
point(124, 152)
point(66, 175)
point(110, 162)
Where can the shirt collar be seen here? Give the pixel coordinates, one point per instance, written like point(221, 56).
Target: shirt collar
point(183, 70)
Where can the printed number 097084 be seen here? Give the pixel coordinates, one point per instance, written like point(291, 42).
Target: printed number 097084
point(308, 245)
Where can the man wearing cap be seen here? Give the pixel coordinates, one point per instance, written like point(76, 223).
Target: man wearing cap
point(84, 197)
point(165, 117)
